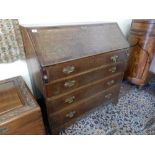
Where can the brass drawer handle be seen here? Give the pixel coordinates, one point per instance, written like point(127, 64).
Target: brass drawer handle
point(113, 69)
point(68, 69)
point(70, 99)
point(127, 53)
point(114, 58)
point(108, 96)
point(69, 84)
point(109, 83)
point(3, 130)
point(71, 114)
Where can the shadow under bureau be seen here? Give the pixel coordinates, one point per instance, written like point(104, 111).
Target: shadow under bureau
point(74, 68)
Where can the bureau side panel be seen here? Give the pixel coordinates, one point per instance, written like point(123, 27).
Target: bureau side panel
point(33, 65)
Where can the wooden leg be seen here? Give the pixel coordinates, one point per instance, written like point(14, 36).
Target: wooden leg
point(56, 131)
point(140, 87)
point(115, 101)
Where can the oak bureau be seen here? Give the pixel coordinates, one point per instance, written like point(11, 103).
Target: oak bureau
point(74, 68)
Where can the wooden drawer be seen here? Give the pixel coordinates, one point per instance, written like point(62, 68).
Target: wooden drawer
point(72, 112)
point(111, 57)
point(59, 102)
point(80, 65)
point(64, 86)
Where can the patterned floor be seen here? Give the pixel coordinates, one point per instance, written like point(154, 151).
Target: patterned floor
point(134, 114)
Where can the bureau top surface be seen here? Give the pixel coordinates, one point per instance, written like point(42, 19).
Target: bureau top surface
point(15, 98)
point(65, 43)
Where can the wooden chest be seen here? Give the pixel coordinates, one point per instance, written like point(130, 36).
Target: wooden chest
point(142, 49)
point(19, 112)
point(75, 68)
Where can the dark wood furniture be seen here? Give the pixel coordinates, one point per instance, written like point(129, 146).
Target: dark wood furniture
point(142, 49)
point(19, 112)
point(75, 68)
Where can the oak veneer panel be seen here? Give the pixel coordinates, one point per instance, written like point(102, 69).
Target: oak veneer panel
point(19, 112)
point(142, 50)
point(9, 98)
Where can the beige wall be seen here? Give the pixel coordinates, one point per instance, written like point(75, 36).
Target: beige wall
point(20, 67)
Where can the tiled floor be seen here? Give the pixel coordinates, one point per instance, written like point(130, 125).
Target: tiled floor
point(134, 114)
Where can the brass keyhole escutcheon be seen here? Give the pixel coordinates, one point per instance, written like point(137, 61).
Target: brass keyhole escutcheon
point(113, 69)
point(114, 58)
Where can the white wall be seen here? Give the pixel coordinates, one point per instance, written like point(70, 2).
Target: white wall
point(20, 67)
point(124, 23)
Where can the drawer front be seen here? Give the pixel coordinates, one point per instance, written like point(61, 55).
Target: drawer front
point(111, 57)
point(77, 66)
point(67, 85)
point(58, 103)
point(68, 114)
